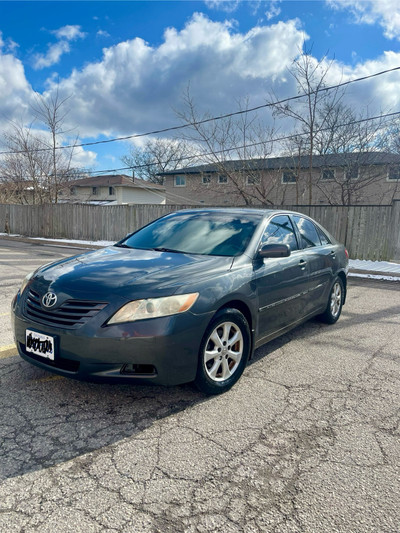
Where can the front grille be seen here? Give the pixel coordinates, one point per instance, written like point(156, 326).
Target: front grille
point(71, 313)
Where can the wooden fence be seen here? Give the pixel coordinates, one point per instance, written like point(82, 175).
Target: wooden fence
point(368, 231)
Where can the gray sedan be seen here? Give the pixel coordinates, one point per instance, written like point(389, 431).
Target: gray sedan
point(186, 298)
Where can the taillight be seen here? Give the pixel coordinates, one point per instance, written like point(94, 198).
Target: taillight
point(346, 252)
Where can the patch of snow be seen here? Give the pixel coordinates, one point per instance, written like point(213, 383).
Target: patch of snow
point(374, 266)
point(374, 276)
point(64, 241)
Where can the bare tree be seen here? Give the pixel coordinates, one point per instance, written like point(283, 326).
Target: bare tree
point(25, 167)
point(36, 160)
point(310, 78)
point(52, 111)
point(326, 127)
point(236, 147)
point(159, 155)
point(357, 140)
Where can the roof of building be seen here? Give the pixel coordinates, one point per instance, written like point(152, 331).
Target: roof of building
point(303, 162)
point(115, 180)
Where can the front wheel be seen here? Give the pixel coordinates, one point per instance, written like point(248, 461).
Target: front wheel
point(224, 352)
point(335, 303)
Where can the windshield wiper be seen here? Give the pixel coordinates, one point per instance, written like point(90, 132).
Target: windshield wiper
point(161, 249)
point(122, 245)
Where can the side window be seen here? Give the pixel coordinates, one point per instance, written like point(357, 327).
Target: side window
point(308, 232)
point(280, 231)
point(323, 238)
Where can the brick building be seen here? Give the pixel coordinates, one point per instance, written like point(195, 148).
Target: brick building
point(350, 178)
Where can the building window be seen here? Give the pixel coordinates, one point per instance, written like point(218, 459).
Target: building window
point(352, 172)
point(206, 179)
point(111, 191)
point(394, 173)
point(180, 181)
point(327, 174)
point(72, 190)
point(94, 191)
point(253, 180)
point(289, 177)
point(222, 178)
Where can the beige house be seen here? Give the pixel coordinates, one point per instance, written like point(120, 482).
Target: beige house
point(113, 189)
point(335, 179)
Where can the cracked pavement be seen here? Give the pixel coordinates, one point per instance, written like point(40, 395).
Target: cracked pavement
point(307, 441)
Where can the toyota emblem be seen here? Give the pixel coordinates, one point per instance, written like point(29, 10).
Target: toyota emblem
point(49, 299)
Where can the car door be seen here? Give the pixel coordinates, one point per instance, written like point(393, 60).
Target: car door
point(280, 283)
point(320, 255)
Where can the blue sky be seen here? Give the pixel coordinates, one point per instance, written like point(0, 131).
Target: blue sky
point(126, 64)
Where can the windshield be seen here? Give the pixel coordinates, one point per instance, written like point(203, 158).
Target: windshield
point(207, 233)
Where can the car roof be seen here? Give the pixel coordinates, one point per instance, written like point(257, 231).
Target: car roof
point(262, 213)
point(231, 210)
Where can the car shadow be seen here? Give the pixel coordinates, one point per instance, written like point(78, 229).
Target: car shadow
point(46, 419)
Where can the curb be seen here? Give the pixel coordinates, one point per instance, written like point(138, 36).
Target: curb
point(60, 244)
point(374, 273)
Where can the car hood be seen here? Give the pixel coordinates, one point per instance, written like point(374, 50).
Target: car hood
point(128, 272)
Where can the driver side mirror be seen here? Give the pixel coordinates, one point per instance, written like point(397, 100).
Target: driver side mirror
point(273, 250)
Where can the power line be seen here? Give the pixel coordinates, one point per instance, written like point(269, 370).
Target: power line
point(251, 145)
point(210, 119)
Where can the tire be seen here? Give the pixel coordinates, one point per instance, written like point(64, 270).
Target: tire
point(335, 303)
point(220, 362)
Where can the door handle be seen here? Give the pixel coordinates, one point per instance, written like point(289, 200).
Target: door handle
point(302, 264)
point(333, 254)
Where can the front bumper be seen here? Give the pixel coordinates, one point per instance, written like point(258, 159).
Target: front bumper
point(161, 351)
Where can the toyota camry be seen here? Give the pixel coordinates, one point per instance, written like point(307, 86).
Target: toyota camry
point(186, 298)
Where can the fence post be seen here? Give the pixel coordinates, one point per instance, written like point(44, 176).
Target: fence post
point(395, 233)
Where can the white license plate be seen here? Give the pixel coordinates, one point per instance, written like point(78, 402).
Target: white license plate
point(39, 344)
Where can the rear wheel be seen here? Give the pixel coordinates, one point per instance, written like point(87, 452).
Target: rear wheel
point(335, 303)
point(224, 352)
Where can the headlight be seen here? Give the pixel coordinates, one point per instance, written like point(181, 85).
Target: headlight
point(154, 308)
point(26, 281)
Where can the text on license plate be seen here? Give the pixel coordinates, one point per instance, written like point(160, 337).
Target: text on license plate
point(39, 344)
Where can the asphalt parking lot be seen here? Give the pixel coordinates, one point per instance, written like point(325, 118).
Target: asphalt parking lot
point(307, 441)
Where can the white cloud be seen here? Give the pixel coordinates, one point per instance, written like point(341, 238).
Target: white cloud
point(229, 6)
point(53, 55)
point(69, 33)
point(8, 45)
point(102, 33)
point(14, 88)
point(83, 158)
point(66, 34)
point(375, 95)
point(273, 10)
point(135, 86)
point(386, 13)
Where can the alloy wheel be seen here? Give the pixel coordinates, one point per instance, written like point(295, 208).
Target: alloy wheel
point(223, 351)
point(336, 299)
